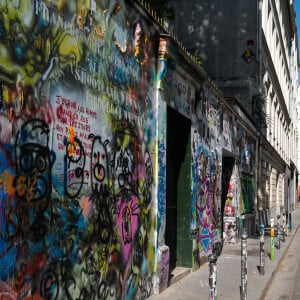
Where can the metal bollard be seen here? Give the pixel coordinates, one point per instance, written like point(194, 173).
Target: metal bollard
point(290, 222)
point(262, 249)
point(278, 231)
point(283, 227)
point(212, 279)
point(243, 288)
point(287, 223)
point(272, 251)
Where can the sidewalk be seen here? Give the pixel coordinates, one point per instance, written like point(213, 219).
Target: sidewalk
point(195, 285)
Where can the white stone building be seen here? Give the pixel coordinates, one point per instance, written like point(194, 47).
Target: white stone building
point(280, 68)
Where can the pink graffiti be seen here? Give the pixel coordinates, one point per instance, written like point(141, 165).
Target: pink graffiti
point(7, 292)
point(86, 206)
point(127, 223)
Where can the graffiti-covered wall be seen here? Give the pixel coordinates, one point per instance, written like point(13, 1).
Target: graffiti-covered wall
point(206, 173)
point(77, 150)
point(217, 134)
point(229, 130)
point(240, 193)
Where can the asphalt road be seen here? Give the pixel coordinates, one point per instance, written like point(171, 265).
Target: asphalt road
point(285, 284)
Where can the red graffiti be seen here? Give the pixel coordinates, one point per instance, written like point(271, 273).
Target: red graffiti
point(37, 263)
point(46, 111)
point(63, 114)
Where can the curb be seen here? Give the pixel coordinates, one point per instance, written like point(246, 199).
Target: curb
point(266, 288)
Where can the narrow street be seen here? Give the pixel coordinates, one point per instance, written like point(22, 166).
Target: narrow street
point(282, 284)
point(144, 147)
point(285, 283)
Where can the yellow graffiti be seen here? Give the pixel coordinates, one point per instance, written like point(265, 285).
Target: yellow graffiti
point(5, 94)
point(33, 60)
point(24, 186)
point(7, 180)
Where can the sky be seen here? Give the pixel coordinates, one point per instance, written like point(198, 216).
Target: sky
point(297, 10)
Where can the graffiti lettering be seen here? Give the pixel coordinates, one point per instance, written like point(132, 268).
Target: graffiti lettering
point(25, 187)
point(29, 269)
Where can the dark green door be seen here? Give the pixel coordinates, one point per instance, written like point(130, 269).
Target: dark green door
point(178, 208)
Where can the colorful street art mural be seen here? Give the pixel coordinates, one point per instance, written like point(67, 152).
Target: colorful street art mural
point(240, 194)
point(77, 150)
point(214, 129)
point(231, 208)
point(206, 175)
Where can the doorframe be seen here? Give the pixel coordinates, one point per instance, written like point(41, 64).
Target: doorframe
point(180, 152)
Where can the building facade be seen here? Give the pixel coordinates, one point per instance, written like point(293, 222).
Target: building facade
point(254, 59)
point(280, 54)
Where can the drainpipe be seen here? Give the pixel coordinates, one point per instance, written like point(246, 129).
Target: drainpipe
point(259, 195)
point(259, 42)
point(162, 251)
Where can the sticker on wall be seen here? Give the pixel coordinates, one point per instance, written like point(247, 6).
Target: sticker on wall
point(249, 56)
